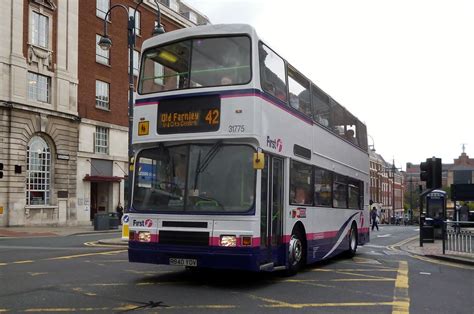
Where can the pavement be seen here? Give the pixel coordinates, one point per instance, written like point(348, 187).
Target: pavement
point(434, 250)
point(50, 231)
point(412, 245)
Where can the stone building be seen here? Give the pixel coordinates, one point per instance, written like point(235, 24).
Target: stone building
point(38, 112)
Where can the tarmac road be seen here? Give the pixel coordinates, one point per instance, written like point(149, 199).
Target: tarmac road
point(59, 274)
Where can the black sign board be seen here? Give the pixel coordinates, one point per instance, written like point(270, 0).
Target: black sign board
point(462, 192)
point(302, 152)
point(189, 115)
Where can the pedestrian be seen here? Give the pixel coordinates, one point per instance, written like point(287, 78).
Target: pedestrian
point(119, 212)
point(464, 212)
point(373, 215)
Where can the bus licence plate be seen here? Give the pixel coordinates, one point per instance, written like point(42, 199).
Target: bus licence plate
point(183, 262)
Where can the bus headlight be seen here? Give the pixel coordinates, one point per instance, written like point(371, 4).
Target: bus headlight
point(144, 236)
point(228, 240)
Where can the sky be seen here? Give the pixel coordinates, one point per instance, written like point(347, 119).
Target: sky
point(404, 67)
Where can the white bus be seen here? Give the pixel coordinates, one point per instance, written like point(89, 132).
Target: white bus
point(241, 162)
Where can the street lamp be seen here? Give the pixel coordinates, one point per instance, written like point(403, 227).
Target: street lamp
point(391, 171)
point(372, 147)
point(105, 43)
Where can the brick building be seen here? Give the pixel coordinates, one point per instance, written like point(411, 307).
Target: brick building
point(387, 187)
point(63, 105)
point(461, 171)
point(103, 94)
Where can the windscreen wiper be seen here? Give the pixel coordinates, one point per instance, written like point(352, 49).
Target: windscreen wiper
point(207, 160)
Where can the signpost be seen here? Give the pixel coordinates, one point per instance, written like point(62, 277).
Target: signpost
point(430, 172)
point(125, 228)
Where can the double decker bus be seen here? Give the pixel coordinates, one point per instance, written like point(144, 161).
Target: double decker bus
point(241, 162)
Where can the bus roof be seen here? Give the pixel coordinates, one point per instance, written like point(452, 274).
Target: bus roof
point(208, 30)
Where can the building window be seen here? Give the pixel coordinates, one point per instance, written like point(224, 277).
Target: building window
point(40, 30)
point(158, 74)
point(102, 95)
point(137, 20)
point(101, 143)
point(173, 4)
point(101, 55)
point(102, 6)
point(193, 17)
point(38, 87)
point(38, 172)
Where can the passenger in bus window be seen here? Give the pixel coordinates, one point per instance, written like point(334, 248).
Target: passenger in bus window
point(294, 101)
point(300, 196)
point(350, 136)
point(225, 80)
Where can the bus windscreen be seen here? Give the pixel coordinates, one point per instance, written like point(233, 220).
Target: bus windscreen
point(195, 178)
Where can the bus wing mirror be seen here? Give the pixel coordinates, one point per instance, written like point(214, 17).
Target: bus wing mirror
point(258, 160)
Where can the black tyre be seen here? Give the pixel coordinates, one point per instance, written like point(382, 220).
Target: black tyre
point(351, 252)
point(297, 252)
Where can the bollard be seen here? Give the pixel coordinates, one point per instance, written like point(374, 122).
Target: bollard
point(125, 228)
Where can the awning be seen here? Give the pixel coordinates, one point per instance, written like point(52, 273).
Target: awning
point(102, 178)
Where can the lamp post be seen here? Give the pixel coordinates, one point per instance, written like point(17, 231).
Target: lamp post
point(105, 43)
point(391, 175)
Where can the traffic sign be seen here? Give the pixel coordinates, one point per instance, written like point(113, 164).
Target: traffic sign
point(125, 229)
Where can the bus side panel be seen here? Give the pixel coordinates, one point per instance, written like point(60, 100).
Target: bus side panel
point(328, 243)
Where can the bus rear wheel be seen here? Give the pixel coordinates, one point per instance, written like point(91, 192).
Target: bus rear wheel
point(351, 252)
point(296, 252)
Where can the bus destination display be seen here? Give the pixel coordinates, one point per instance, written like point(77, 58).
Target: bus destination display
point(189, 115)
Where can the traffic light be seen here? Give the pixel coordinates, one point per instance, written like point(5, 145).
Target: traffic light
point(430, 172)
point(1, 170)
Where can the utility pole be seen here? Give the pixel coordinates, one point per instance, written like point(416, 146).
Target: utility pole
point(391, 175)
point(411, 199)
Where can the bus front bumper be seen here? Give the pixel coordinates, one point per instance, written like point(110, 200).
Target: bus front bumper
point(203, 257)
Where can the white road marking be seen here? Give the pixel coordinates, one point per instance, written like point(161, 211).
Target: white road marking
point(423, 273)
point(383, 235)
point(375, 246)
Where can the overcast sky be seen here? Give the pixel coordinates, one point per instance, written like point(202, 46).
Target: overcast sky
point(403, 67)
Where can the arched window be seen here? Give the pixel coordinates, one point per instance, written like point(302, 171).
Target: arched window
point(38, 172)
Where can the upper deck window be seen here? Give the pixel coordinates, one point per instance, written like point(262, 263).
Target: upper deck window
point(200, 62)
point(321, 107)
point(299, 92)
point(272, 72)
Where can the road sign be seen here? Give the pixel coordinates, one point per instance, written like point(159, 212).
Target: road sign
point(125, 218)
point(125, 230)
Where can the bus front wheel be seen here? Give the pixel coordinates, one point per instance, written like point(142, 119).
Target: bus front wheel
point(296, 252)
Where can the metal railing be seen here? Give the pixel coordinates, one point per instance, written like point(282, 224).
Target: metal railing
point(459, 237)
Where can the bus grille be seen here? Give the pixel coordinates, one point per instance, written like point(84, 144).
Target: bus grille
point(184, 238)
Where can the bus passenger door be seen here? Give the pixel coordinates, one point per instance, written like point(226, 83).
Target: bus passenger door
point(271, 222)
